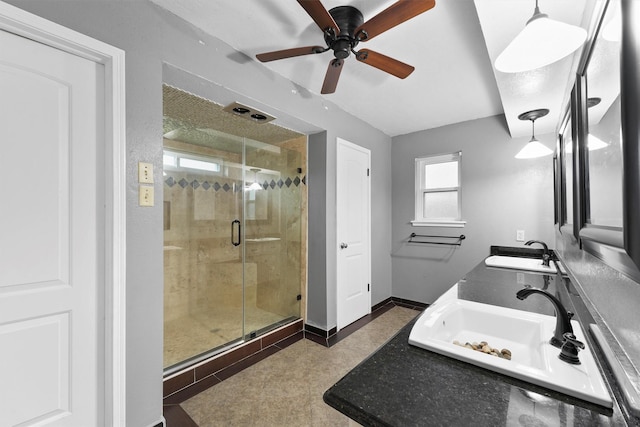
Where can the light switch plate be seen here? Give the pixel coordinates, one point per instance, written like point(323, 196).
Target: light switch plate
point(145, 173)
point(519, 235)
point(146, 195)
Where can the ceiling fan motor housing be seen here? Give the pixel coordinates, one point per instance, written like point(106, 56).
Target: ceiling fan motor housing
point(348, 19)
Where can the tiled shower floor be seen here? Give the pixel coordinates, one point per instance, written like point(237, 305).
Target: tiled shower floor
point(188, 336)
point(286, 388)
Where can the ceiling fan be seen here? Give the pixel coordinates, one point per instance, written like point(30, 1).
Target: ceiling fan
point(344, 28)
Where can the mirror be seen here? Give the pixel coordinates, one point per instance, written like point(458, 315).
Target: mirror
point(608, 173)
point(603, 152)
point(566, 145)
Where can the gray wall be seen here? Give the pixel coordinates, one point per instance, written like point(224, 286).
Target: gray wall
point(317, 248)
point(151, 37)
point(322, 225)
point(612, 297)
point(500, 195)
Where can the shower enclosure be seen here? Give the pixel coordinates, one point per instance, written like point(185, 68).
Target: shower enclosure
point(234, 193)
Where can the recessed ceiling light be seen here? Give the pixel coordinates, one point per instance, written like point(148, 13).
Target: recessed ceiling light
point(248, 113)
point(241, 110)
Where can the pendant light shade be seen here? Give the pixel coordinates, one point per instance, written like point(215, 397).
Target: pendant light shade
point(534, 148)
point(543, 41)
point(593, 143)
point(254, 185)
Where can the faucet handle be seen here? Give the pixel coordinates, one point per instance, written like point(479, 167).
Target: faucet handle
point(570, 348)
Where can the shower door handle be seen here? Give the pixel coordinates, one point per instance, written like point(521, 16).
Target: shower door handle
point(234, 222)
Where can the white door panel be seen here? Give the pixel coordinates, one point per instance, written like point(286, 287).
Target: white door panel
point(49, 269)
point(354, 233)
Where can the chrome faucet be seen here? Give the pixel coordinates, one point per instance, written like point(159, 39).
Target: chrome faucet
point(563, 317)
point(546, 256)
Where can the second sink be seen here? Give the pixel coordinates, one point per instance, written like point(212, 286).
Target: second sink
point(519, 263)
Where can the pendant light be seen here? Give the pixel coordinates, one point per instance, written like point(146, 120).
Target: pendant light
point(534, 148)
point(543, 41)
point(593, 142)
point(255, 185)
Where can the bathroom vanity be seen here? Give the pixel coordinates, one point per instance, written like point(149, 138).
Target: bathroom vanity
point(404, 385)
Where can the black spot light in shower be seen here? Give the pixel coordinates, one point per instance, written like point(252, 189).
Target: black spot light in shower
point(248, 113)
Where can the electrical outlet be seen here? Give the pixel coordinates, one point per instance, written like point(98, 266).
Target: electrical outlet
point(520, 278)
point(146, 195)
point(145, 173)
point(519, 235)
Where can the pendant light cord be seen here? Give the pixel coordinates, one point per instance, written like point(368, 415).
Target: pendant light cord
point(533, 123)
point(537, 14)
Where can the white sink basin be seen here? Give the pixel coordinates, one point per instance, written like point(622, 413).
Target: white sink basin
point(525, 334)
point(531, 264)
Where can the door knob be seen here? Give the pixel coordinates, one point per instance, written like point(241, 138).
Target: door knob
point(343, 245)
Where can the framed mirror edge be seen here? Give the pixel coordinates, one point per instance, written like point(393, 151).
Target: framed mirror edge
point(630, 100)
point(617, 247)
point(560, 169)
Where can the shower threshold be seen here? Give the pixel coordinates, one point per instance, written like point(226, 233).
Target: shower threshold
point(258, 333)
point(212, 353)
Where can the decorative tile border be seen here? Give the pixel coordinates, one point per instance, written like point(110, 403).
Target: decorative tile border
point(170, 181)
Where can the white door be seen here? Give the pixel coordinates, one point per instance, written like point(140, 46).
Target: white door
point(354, 233)
point(51, 334)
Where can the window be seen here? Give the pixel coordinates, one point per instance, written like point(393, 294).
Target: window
point(173, 160)
point(438, 191)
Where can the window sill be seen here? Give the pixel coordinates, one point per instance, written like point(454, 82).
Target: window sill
point(452, 224)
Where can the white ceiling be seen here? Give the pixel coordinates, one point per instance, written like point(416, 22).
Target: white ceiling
point(452, 46)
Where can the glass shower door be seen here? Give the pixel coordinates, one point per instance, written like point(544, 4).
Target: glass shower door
point(233, 228)
point(272, 238)
point(203, 252)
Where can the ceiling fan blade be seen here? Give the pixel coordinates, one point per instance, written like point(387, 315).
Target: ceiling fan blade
point(396, 14)
point(319, 14)
point(289, 53)
point(332, 76)
point(384, 63)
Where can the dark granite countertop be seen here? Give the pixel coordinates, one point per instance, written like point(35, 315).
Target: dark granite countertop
point(403, 385)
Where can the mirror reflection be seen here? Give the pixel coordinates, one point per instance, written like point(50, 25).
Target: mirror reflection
point(567, 144)
point(604, 141)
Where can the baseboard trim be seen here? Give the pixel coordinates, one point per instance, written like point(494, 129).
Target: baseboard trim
point(332, 336)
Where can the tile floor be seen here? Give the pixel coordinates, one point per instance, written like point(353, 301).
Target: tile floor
point(286, 388)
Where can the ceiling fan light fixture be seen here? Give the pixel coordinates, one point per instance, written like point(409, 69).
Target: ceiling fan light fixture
point(543, 41)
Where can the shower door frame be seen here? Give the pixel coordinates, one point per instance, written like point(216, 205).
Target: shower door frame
point(247, 334)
